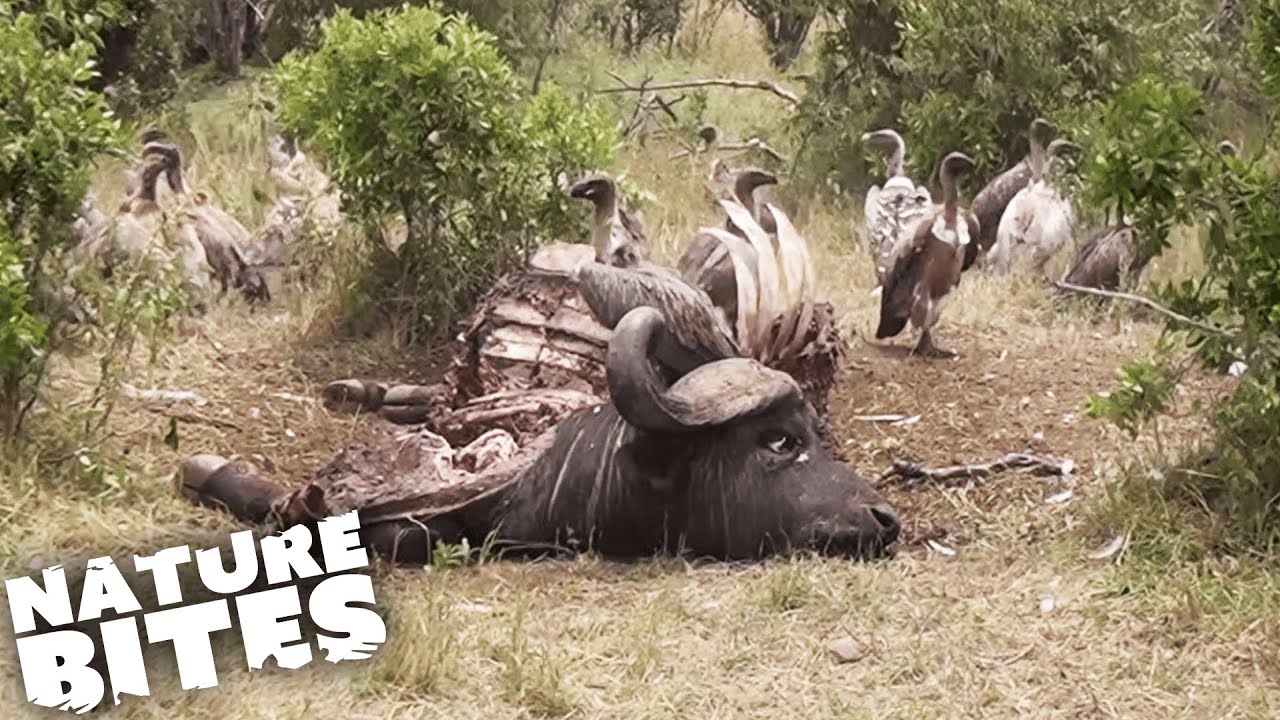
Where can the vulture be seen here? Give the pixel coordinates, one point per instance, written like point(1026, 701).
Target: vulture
point(989, 204)
point(767, 282)
point(1038, 223)
point(893, 210)
point(1098, 262)
point(226, 242)
point(706, 262)
point(151, 140)
point(617, 235)
point(140, 234)
point(924, 274)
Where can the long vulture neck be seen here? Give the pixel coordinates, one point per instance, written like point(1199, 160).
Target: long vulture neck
point(147, 187)
point(606, 216)
point(1037, 158)
point(894, 168)
point(950, 194)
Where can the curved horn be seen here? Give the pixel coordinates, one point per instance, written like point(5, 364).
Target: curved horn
point(769, 302)
point(795, 261)
point(710, 395)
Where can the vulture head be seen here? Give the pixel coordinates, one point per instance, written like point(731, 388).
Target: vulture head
point(1228, 148)
point(1040, 132)
point(709, 134)
point(747, 180)
point(173, 163)
point(154, 135)
point(955, 165)
point(599, 189)
point(888, 141)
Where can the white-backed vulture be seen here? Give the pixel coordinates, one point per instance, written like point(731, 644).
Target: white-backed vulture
point(139, 234)
point(1038, 223)
point(224, 239)
point(1112, 258)
point(925, 274)
point(1098, 263)
point(706, 263)
point(618, 236)
point(892, 211)
point(767, 282)
point(990, 203)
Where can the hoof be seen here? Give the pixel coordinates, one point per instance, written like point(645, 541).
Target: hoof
point(411, 404)
point(214, 481)
point(353, 396)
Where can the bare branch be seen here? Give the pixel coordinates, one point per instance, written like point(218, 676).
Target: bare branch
point(765, 85)
point(1148, 302)
point(914, 475)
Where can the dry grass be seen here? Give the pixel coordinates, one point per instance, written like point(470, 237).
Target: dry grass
point(969, 636)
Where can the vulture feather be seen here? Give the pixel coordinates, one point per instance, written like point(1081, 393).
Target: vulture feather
point(697, 331)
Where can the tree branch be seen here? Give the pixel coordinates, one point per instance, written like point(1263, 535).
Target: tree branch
point(913, 475)
point(765, 85)
point(1148, 302)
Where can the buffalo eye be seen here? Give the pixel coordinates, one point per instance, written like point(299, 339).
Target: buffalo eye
point(779, 443)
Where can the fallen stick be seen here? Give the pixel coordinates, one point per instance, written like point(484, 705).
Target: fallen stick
point(765, 85)
point(194, 418)
point(914, 475)
point(1145, 301)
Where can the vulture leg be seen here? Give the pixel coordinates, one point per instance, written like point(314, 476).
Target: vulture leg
point(927, 347)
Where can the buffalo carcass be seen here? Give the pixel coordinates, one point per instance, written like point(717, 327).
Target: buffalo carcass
point(725, 462)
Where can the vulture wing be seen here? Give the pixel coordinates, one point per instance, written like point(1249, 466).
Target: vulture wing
point(700, 332)
point(770, 301)
point(901, 282)
point(633, 225)
point(971, 249)
point(742, 258)
point(796, 262)
point(989, 204)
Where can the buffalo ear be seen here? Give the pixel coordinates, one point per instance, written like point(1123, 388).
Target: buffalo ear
point(652, 459)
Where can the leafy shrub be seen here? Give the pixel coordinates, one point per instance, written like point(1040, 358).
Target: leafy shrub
point(1146, 159)
point(53, 127)
point(1165, 166)
point(422, 121)
point(786, 26)
point(958, 75)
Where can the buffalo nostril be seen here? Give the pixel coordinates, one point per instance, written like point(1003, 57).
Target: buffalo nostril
point(887, 519)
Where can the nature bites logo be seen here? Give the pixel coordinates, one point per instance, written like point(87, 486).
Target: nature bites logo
point(61, 667)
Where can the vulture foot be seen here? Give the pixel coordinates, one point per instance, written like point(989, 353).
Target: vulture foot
point(927, 348)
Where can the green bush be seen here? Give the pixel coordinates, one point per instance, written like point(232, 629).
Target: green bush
point(422, 121)
point(52, 126)
point(960, 75)
point(1157, 160)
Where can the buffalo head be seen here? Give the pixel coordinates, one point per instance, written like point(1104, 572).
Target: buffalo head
point(738, 445)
